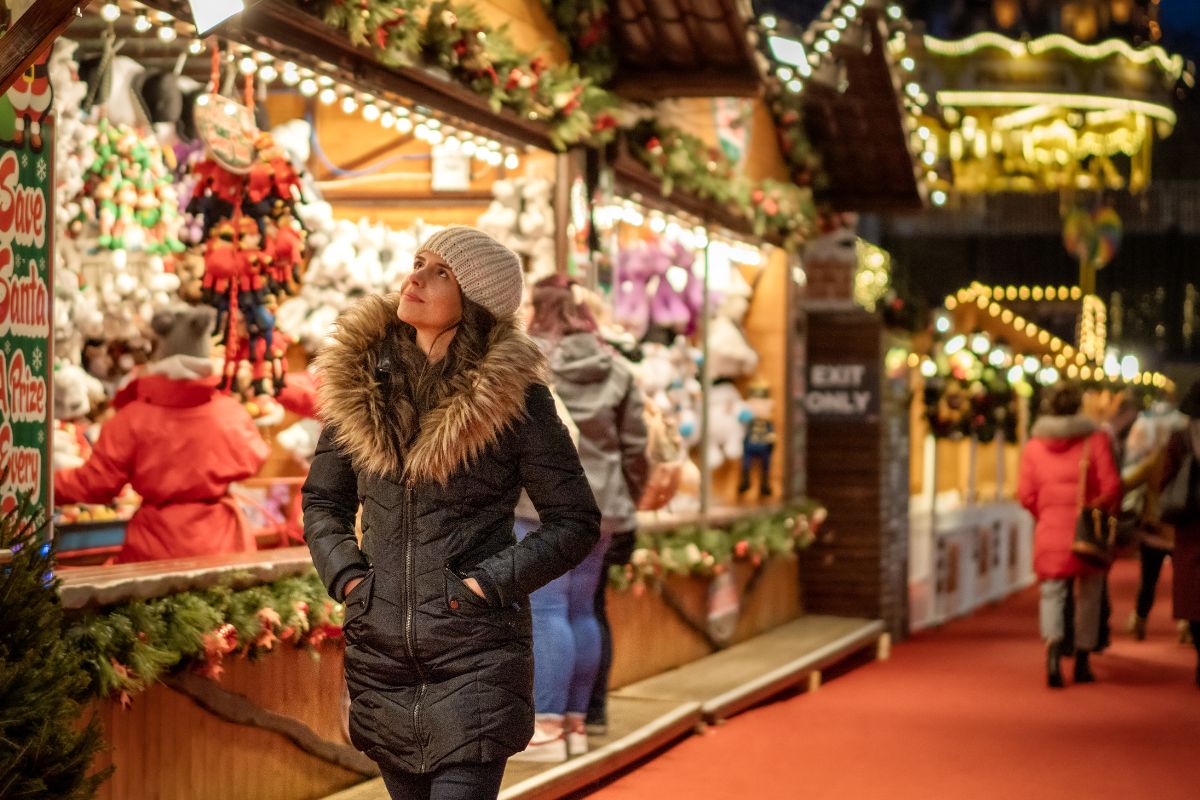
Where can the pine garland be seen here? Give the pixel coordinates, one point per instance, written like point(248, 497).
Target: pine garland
point(682, 160)
point(704, 552)
point(44, 753)
point(453, 37)
point(126, 648)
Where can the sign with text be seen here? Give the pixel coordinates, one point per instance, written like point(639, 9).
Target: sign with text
point(26, 321)
point(842, 390)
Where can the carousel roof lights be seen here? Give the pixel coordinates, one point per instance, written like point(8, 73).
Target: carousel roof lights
point(983, 98)
point(1171, 64)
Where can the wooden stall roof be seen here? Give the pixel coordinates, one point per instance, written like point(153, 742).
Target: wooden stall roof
point(284, 30)
point(860, 132)
point(684, 48)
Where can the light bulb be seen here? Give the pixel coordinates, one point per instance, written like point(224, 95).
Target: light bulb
point(291, 77)
point(371, 112)
point(452, 143)
point(494, 158)
point(349, 104)
point(404, 125)
point(328, 96)
point(196, 46)
point(167, 34)
point(468, 147)
point(308, 87)
point(110, 12)
point(511, 161)
point(268, 73)
point(141, 23)
point(493, 145)
point(435, 137)
point(247, 65)
point(422, 132)
point(387, 119)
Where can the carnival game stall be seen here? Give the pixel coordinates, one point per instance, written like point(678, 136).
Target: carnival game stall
point(976, 379)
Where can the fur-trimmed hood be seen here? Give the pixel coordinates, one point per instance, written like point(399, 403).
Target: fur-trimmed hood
point(451, 435)
point(1064, 428)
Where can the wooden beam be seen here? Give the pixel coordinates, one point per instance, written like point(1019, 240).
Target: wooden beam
point(36, 30)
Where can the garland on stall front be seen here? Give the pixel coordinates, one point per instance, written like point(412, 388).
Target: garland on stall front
point(452, 36)
point(702, 552)
point(682, 160)
point(128, 647)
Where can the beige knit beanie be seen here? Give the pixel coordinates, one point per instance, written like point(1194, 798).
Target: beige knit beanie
point(488, 272)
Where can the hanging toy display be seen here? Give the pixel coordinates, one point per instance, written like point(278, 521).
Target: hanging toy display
point(244, 196)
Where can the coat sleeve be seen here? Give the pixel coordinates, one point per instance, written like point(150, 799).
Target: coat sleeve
point(1027, 483)
point(553, 477)
point(107, 470)
point(632, 432)
point(330, 502)
point(1108, 477)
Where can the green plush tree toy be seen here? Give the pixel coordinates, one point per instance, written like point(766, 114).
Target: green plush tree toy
point(43, 753)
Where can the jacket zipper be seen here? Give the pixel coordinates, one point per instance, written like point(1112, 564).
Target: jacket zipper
point(409, 603)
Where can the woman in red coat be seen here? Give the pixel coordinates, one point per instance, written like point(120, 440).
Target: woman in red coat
point(1051, 466)
point(1185, 557)
point(180, 444)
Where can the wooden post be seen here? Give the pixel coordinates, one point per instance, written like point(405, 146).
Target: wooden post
point(29, 36)
point(1001, 466)
point(563, 174)
point(972, 471)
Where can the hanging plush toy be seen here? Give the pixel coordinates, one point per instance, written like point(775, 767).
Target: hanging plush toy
point(244, 197)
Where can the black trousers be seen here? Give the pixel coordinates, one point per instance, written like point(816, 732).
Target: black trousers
point(455, 782)
point(620, 550)
point(1152, 563)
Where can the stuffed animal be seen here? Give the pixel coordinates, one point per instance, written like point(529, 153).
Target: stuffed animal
point(730, 355)
point(728, 416)
point(760, 439)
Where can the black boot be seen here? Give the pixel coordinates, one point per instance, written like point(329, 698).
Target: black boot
point(1083, 671)
point(1054, 678)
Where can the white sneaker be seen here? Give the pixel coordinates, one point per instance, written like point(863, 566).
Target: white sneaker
point(544, 748)
point(577, 743)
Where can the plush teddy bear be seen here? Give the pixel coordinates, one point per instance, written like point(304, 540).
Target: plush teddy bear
point(730, 355)
point(74, 392)
point(728, 416)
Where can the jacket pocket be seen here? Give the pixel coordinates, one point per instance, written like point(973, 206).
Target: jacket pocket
point(358, 603)
point(459, 598)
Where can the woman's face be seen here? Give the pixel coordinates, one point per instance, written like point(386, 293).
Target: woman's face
point(430, 299)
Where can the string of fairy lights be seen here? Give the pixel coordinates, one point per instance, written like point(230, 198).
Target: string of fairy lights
point(404, 119)
point(813, 57)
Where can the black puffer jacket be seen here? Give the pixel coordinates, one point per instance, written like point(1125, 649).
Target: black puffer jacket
point(436, 674)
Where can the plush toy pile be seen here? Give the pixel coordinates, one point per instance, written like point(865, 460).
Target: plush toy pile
point(521, 217)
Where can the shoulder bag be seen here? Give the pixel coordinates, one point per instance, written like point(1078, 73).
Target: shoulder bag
point(1095, 529)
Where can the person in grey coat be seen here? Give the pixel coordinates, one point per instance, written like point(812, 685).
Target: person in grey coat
point(437, 415)
point(598, 390)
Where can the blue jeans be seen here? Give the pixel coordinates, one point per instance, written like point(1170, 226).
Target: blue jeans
point(455, 782)
point(566, 634)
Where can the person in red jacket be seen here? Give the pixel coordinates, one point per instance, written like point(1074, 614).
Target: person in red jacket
point(180, 444)
point(1049, 484)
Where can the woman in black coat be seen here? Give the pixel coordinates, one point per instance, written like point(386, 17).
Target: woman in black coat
point(437, 415)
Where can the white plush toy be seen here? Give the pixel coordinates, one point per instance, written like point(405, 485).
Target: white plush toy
point(728, 416)
point(730, 355)
point(74, 392)
point(521, 217)
point(300, 440)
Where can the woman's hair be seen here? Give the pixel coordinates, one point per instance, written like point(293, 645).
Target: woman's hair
point(418, 385)
point(1063, 400)
point(556, 312)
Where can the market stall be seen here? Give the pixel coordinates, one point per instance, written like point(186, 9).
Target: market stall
point(269, 176)
point(976, 379)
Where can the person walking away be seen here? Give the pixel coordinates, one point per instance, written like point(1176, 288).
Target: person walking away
point(437, 416)
point(1051, 473)
point(1141, 476)
point(598, 389)
point(1186, 555)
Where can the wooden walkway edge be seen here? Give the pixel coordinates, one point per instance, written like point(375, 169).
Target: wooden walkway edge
point(653, 713)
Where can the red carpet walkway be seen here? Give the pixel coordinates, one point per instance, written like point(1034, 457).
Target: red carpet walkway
point(963, 712)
